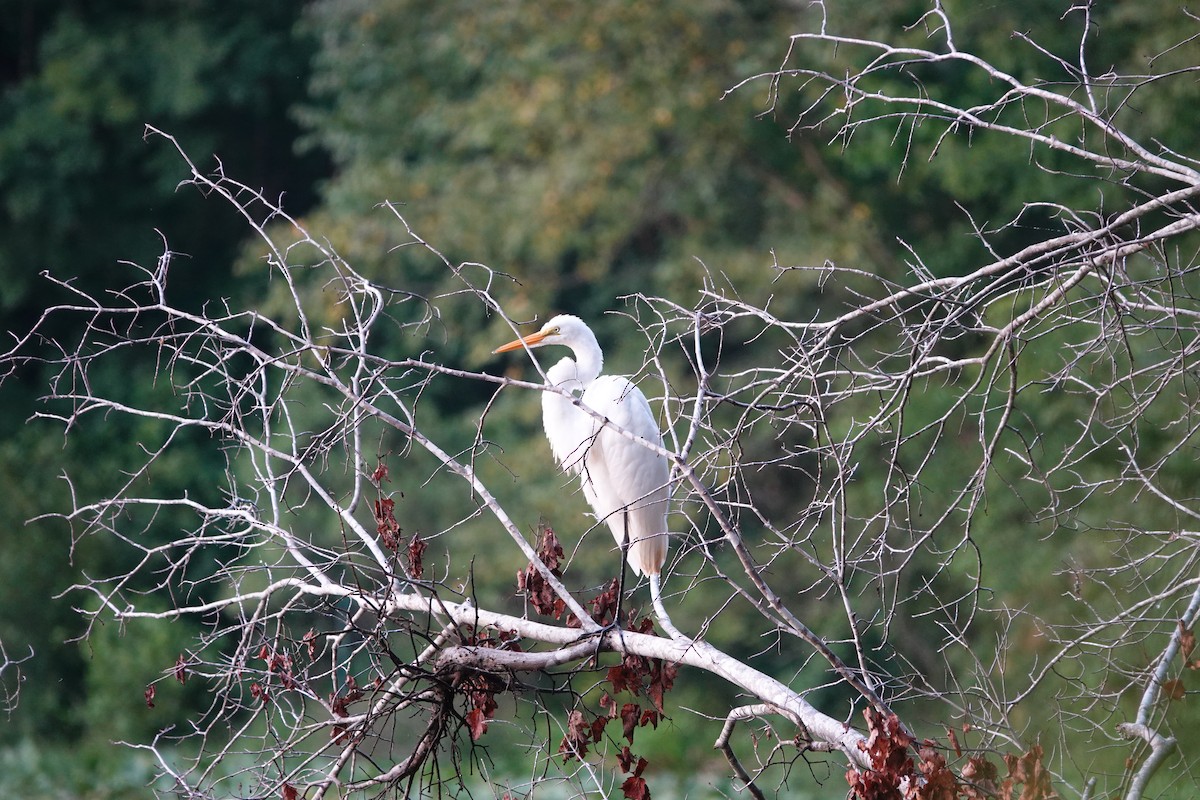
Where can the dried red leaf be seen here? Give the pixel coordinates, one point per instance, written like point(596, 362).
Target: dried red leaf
point(887, 748)
point(1174, 689)
point(280, 663)
point(181, 673)
point(480, 689)
point(938, 781)
point(289, 792)
point(953, 737)
point(340, 703)
point(485, 701)
point(598, 725)
point(540, 594)
point(629, 720)
point(1187, 641)
point(477, 723)
point(386, 524)
point(416, 548)
point(662, 678)
point(549, 550)
point(622, 677)
point(635, 788)
point(636, 673)
point(310, 641)
point(530, 581)
point(150, 692)
point(259, 692)
point(854, 777)
point(980, 777)
point(1029, 771)
point(649, 717)
point(604, 605)
point(579, 733)
point(380, 474)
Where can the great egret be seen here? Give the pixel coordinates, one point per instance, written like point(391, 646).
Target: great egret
point(625, 482)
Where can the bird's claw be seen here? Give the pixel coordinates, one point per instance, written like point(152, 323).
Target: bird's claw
point(601, 633)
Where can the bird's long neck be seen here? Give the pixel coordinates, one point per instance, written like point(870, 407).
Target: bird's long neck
point(589, 360)
point(568, 428)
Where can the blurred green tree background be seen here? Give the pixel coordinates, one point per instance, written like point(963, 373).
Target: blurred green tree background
point(589, 150)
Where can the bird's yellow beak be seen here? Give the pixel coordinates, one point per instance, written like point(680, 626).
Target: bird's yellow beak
point(517, 344)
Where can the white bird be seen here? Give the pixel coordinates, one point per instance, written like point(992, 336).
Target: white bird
point(625, 482)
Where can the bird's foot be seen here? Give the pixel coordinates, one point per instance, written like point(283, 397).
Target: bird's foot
point(601, 635)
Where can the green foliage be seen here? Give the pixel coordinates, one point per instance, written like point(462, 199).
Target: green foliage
point(80, 190)
point(567, 147)
point(131, 658)
point(39, 770)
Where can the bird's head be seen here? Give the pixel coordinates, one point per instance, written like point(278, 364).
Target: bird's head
point(564, 329)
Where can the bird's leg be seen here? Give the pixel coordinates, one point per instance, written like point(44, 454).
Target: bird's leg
point(616, 621)
point(603, 631)
point(621, 578)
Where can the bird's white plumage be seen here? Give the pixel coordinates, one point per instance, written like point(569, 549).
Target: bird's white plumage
point(624, 481)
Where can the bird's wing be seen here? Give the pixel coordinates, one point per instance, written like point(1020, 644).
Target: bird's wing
point(625, 480)
point(624, 404)
point(568, 429)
